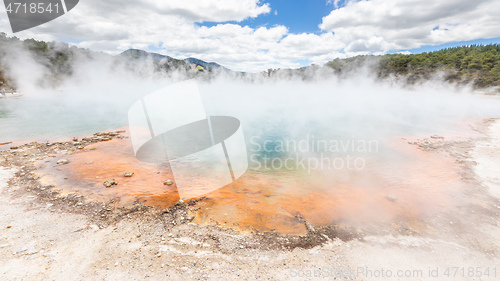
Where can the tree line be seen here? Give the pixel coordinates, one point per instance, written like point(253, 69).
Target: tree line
point(478, 65)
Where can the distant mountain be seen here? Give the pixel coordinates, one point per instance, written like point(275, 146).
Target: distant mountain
point(135, 53)
point(205, 64)
point(477, 65)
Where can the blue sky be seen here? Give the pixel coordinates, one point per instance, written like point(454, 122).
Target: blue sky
point(428, 48)
point(300, 16)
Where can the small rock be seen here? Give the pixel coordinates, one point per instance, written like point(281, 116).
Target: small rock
point(391, 198)
point(128, 174)
point(437, 137)
point(80, 147)
point(168, 182)
point(94, 227)
point(110, 183)
point(62, 162)
point(14, 147)
point(31, 252)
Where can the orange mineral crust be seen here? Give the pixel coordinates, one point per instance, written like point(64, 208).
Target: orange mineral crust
point(401, 182)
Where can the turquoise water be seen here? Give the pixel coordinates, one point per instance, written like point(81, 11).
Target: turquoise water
point(266, 113)
point(42, 119)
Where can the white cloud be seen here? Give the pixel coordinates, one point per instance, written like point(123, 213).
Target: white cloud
point(358, 27)
point(209, 10)
point(335, 3)
point(382, 25)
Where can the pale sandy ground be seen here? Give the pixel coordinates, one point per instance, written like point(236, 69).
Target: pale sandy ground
point(487, 156)
point(45, 245)
point(40, 243)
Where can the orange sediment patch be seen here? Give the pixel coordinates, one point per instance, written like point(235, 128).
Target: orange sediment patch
point(419, 185)
point(400, 183)
point(90, 168)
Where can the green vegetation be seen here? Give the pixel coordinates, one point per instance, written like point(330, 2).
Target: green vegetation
point(56, 61)
point(476, 64)
point(5, 80)
point(162, 64)
point(55, 57)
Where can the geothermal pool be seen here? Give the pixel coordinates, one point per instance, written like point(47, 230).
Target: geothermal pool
point(403, 174)
point(400, 182)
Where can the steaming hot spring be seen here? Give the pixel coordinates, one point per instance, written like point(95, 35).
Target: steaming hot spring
point(358, 155)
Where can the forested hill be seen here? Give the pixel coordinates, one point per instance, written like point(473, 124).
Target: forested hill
point(58, 61)
point(476, 64)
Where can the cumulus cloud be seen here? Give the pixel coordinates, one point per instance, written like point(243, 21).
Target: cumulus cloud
point(209, 10)
point(352, 28)
point(114, 26)
point(383, 25)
